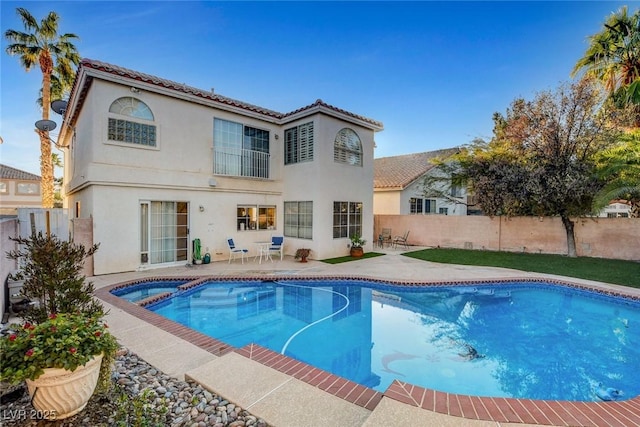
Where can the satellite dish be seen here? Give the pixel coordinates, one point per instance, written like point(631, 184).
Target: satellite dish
point(46, 125)
point(59, 106)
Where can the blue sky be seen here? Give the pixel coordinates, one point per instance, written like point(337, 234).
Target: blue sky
point(433, 72)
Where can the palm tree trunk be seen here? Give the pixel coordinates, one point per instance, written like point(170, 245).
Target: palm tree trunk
point(46, 169)
point(46, 162)
point(571, 237)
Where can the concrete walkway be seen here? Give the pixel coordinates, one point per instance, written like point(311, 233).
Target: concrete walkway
point(283, 400)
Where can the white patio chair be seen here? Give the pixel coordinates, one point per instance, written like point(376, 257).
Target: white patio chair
point(233, 251)
point(277, 246)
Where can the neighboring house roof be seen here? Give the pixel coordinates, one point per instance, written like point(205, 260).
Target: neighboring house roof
point(397, 172)
point(81, 87)
point(7, 172)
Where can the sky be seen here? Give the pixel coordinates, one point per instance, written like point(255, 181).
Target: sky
point(432, 72)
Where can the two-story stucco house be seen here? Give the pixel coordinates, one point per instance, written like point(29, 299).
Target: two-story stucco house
point(156, 164)
point(18, 189)
point(399, 186)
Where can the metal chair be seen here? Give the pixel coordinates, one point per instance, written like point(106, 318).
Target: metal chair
point(233, 251)
point(385, 237)
point(401, 240)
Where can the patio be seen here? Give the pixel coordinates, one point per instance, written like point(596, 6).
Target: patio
point(285, 392)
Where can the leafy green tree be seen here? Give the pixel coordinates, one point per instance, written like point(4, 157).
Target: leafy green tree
point(619, 166)
point(613, 59)
point(540, 159)
point(54, 53)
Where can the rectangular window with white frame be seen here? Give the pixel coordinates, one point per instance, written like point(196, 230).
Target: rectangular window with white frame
point(347, 219)
point(298, 144)
point(255, 217)
point(455, 191)
point(298, 219)
point(29, 188)
point(429, 206)
point(240, 150)
point(415, 206)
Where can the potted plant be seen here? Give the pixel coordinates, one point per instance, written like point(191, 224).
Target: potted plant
point(302, 254)
point(356, 245)
point(63, 335)
point(60, 360)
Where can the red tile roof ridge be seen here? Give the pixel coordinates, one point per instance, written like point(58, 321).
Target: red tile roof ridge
point(182, 87)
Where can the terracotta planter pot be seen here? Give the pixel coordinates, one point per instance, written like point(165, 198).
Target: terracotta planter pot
point(357, 252)
point(59, 393)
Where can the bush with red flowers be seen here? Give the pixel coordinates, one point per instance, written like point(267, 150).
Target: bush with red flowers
point(65, 340)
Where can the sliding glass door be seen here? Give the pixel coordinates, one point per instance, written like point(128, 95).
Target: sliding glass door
point(164, 232)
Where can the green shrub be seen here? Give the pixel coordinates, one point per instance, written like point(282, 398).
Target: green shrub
point(52, 274)
point(140, 410)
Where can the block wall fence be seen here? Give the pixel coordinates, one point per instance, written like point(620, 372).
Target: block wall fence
point(617, 238)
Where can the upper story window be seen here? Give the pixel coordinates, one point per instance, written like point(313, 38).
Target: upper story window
point(3, 187)
point(418, 206)
point(32, 188)
point(347, 148)
point(415, 206)
point(240, 150)
point(135, 129)
point(298, 144)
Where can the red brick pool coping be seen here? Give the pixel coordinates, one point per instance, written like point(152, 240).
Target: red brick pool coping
point(542, 412)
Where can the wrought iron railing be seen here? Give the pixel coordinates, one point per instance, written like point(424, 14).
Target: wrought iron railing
point(241, 162)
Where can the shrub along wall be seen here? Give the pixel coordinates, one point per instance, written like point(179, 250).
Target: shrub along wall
point(617, 238)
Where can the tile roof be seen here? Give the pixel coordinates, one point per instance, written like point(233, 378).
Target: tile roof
point(181, 87)
point(7, 172)
point(397, 172)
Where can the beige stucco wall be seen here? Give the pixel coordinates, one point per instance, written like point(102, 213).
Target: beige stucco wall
point(386, 202)
point(109, 180)
point(595, 237)
point(11, 199)
point(82, 234)
point(324, 181)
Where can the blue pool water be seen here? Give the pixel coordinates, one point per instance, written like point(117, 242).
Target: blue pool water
point(523, 340)
point(140, 291)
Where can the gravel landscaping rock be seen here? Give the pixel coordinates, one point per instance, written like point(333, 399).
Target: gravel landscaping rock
point(186, 404)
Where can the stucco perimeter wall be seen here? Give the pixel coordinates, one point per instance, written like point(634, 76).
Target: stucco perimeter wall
point(82, 234)
point(595, 237)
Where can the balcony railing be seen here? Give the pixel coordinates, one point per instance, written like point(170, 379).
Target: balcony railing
point(241, 162)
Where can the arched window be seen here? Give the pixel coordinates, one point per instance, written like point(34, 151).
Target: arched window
point(135, 131)
point(347, 148)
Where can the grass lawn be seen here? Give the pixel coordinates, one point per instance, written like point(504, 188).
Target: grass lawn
point(603, 270)
point(351, 258)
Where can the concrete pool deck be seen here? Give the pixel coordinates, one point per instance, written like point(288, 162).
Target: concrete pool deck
point(285, 392)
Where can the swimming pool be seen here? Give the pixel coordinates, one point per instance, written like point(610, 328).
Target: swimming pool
point(525, 340)
point(141, 291)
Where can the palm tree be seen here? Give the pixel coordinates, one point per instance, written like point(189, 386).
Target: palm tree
point(613, 58)
point(56, 55)
point(620, 168)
